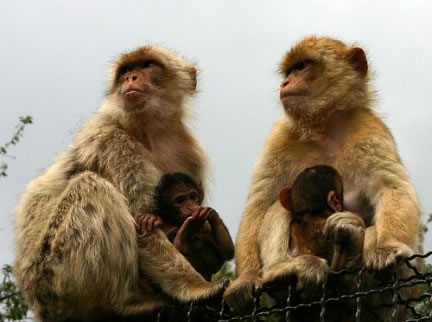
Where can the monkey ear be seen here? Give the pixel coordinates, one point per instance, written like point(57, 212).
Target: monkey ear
point(192, 71)
point(285, 198)
point(333, 201)
point(200, 189)
point(357, 58)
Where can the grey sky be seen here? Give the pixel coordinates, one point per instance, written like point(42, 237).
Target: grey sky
point(54, 58)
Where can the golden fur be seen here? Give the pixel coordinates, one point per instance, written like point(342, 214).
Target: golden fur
point(333, 124)
point(78, 253)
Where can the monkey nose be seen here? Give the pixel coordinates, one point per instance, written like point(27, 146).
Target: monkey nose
point(131, 78)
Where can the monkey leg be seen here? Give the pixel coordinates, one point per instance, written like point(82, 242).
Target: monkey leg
point(309, 271)
point(92, 253)
point(88, 257)
point(163, 263)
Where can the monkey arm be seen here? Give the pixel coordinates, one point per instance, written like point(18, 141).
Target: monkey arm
point(222, 238)
point(248, 262)
point(397, 210)
point(131, 172)
point(199, 248)
point(271, 173)
point(273, 237)
point(397, 214)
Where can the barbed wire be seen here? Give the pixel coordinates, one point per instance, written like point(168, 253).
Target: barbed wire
point(369, 295)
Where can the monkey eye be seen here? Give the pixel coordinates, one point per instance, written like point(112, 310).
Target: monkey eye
point(179, 200)
point(124, 69)
point(143, 64)
point(147, 63)
point(194, 196)
point(299, 65)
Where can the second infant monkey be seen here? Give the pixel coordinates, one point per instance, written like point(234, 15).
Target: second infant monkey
point(315, 200)
point(197, 232)
point(320, 228)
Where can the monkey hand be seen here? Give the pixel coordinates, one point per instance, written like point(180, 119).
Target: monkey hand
point(308, 272)
point(206, 213)
point(347, 231)
point(195, 222)
point(147, 222)
point(190, 227)
point(240, 294)
point(385, 257)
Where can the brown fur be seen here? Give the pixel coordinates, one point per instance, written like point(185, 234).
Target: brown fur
point(332, 122)
point(78, 254)
point(308, 234)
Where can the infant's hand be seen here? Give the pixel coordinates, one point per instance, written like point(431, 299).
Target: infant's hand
point(147, 222)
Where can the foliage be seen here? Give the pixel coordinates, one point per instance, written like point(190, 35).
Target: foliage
point(429, 221)
point(226, 272)
point(23, 121)
point(12, 304)
point(425, 307)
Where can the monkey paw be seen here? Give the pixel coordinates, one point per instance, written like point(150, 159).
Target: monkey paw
point(308, 272)
point(345, 228)
point(385, 257)
point(217, 292)
point(240, 294)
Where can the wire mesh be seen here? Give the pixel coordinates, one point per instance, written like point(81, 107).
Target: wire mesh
point(371, 297)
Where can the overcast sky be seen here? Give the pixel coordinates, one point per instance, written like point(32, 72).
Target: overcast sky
point(54, 57)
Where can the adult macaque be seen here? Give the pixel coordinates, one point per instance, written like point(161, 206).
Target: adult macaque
point(329, 119)
point(197, 232)
point(78, 254)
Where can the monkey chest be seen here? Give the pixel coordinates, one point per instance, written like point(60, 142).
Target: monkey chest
point(173, 157)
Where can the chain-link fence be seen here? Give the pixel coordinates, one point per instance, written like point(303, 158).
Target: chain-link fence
point(370, 298)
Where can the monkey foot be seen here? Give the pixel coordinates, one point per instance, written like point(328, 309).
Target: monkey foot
point(308, 272)
point(240, 294)
point(385, 258)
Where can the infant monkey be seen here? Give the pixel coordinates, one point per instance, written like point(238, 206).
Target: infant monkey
point(316, 194)
point(197, 232)
point(320, 228)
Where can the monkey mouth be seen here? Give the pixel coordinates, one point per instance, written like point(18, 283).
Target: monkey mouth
point(290, 93)
point(133, 92)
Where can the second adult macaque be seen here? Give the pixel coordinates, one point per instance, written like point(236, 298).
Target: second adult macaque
point(316, 203)
point(197, 232)
point(329, 118)
point(78, 256)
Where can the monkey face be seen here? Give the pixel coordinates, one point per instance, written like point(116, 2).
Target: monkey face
point(294, 86)
point(150, 77)
point(184, 200)
point(318, 74)
point(137, 83)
